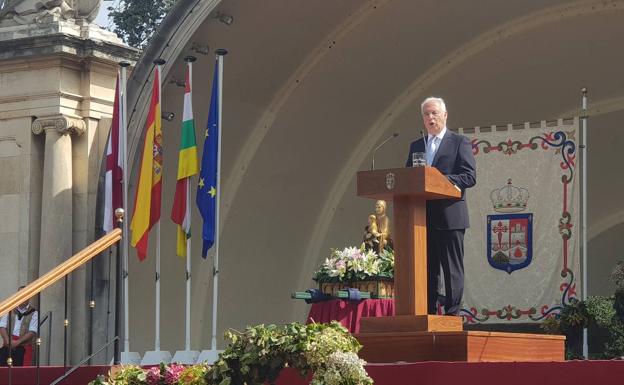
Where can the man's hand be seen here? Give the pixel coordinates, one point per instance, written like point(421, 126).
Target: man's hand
point(25, 339)
point(5, 337)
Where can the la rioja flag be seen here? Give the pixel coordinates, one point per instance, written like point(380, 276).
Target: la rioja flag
point(187, 167)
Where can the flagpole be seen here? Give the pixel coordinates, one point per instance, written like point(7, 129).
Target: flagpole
point(187, 339)
point(187, 325)
point(583, 148)
point(157, 356)
point(215, 281)
point(159, 63)
point(209, 193)
point(181, 211)
point(125, 240)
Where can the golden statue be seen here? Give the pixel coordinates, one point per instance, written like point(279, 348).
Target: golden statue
point(372, 235)
point(377, 236)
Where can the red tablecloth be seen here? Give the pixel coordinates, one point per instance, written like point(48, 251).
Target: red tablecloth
point(349, 313)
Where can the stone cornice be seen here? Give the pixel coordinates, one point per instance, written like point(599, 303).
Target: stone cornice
point(62, 44)
point(53, 95)
point(61, 123)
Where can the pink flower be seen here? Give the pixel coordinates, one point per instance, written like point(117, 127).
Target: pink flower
point(153, 376)
point(172, 373)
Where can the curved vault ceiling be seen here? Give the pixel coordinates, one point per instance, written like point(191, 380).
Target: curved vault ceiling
point(311, 86)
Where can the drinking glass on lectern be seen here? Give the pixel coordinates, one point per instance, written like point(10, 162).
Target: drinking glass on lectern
point(418, 159)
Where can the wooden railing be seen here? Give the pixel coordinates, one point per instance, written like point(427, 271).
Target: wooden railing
point(60, 271)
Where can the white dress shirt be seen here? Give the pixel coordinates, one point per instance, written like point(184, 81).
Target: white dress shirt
point(431, 139)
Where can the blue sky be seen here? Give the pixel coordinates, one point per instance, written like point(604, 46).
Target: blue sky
point(102, 18)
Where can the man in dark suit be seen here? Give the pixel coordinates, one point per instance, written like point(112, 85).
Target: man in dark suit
point(447, 219)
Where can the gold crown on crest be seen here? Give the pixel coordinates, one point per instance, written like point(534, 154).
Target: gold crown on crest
point(509, 198)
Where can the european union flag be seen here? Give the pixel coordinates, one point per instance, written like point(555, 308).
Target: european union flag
point(207, 188)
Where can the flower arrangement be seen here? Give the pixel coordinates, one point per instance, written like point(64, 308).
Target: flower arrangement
point(355, 264)
point(129, 375)
point(257, 356)
point(193, 375)
point(172, 374)
point(342, 368)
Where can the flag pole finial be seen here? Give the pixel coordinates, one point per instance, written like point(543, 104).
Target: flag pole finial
point(119, 214)
point(221, 52)
point(190, 58)
point(124, 64)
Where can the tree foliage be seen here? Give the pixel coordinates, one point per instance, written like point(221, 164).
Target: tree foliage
point(137, 20)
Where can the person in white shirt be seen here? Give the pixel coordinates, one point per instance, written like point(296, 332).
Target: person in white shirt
point(24, 322)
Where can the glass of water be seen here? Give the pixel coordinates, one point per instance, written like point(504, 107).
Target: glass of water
point(418, 159)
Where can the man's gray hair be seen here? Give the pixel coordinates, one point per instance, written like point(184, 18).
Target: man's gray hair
point(431, 99)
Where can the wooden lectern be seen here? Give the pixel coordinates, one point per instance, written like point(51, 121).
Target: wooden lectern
point(409, 189)
point(411, 334)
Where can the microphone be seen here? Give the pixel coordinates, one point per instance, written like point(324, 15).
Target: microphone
point(380, 146)
point(424, 141)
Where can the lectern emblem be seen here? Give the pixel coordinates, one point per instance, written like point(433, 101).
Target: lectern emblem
point(390, 180)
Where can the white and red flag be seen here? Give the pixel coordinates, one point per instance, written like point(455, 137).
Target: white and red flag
point(113, 190)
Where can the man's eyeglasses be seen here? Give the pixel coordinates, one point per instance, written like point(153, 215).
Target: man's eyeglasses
point(432, 113)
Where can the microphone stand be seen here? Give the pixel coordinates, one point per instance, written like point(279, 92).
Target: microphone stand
point(380, 146)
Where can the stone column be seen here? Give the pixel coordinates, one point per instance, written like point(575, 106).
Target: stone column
point(56, 221)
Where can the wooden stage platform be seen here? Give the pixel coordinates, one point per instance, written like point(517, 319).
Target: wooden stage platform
point(468, 346)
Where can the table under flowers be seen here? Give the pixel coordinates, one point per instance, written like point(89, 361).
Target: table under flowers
point(349, 312)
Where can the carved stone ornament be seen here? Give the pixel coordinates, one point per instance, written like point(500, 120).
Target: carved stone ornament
point(32, 11)
point(61, 123)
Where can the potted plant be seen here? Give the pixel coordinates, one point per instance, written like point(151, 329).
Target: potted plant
point(617, 277)
point(570, 321)
point(257, 355)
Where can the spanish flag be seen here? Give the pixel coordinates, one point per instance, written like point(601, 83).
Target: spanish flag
point(187, 167)
point(146, 210)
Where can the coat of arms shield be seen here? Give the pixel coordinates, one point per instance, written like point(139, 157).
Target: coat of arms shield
point(510, 241)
